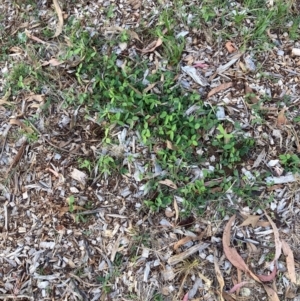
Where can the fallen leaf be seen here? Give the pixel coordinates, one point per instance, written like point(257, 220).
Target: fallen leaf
point(152, 46)
point(250, 93)
point(250, 220)
point(230, 47)
point(176, 210)
point(223, 68)
point(182, 241)
point(231, 253)
point(60, 23)
point(243, 67)
point(180, 257)
point(290, 263)
point(186, 297)
point(192, 72)
point(3, 100)
point(170, 145)
point(238, 286)
point(227, 297)
point(169, 183)
point(252, 248)
point(151, 86)
point(271, 293)
point(266, 278)
point(169, 212)
point(34, 38)
point(219, 88)
point(281, 119)
point(53, 62)
point(218, 274)
point(35, 97)
point(278, 243)
point(65, 209)
point(200, 65)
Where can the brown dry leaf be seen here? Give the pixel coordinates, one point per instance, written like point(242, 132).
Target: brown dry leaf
point(281, 119)
point(182, 256)
point(267, 278)
point(150, 86)
point(263, 224)
point(252, 248)
point(219, 275)
point(169, 212)
point(243, 67)
point(19, 123)
point(250, 220)
point(251, 94)
point(278, 243)
point(230, 47)
point(227, 297)
point(36, 97)
point(238, 286)
point(231, 253)
point(65, 209)
point(169, 183)
point(290, 263)
point(170, 145)
point(152, 46)
point(219, 88)
point(176, 210)
point(60, 23)
point(182, 241)
point(53, 62)
point(271, 293)
point(17, 157)
point(3, 100)
point(32, 37)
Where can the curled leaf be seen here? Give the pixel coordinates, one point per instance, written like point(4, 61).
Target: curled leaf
point(278, 244)
point(266, 278)
point(289, 260)
point(60, 23)
point(230, 47)
point(238, 286)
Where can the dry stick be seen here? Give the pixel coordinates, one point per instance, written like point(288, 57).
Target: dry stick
point(5, 139)
point(10, 296)
point(17, 157)
point(52, 144)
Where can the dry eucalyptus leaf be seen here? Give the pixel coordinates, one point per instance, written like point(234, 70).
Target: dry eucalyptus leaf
point(271, 293)
point(278, 243)
point(251, 94)
point(281, 119)
point(219, 274)
point(270, 277)
point(231, 253)
point(60, 23)
point(169, 183)
point(250, 220)
point(219, 88)
point(230, 47)
point(152, 46)
point(238, 286)
point(290, 263)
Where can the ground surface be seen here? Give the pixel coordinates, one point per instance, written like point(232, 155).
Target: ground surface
point(139, 139)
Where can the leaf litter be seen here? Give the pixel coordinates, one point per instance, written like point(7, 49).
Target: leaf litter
point(45, 234)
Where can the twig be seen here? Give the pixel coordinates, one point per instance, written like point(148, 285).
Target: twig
point(10, 296)
point(17, 157)
point(5, 216)
point(5, 139)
